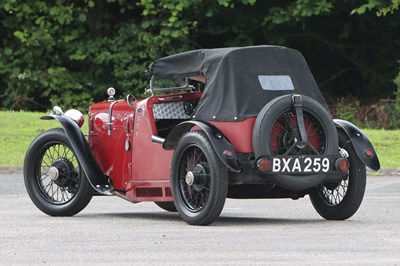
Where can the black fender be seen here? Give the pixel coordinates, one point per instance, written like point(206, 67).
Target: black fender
point(360, 143)
point(84, 154)
point(218, 141)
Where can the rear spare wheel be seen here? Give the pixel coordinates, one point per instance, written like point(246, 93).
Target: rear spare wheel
point(277, 132)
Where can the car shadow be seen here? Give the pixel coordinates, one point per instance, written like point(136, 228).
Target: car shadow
point(166, 216)
point(221, 221)
point(229, 220)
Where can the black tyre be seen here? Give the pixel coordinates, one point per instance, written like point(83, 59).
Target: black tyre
point(199, 180)
point(53, 177)
point(276, 132)
point(168, 206)
point(341, 201)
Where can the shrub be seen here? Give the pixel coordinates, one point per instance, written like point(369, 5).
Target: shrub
point(381, 114)
point(346, 108)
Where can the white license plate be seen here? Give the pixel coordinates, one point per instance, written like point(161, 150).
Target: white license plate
point(301, 164)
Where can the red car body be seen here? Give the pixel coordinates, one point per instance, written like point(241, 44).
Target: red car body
point(137, 166)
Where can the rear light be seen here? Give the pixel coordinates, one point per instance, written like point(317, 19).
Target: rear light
point(342, 165)
point(228, 153)
point(263, 165)
point(368, 153)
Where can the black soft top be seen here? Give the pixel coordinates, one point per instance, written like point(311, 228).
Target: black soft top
point(241, 80)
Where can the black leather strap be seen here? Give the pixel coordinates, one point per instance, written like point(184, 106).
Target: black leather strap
point(297, 102)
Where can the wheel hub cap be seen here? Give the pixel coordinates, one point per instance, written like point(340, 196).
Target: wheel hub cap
point(54, 173)
point(62, 172)
point(189, 178)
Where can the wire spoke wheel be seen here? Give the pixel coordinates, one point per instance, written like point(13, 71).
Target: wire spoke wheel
point(340, 201)
point(334, 195)
point(58, 173)
point(278, 131)
point(199, 180)
point(194, 179)
point(285, 135)
point(53, 176)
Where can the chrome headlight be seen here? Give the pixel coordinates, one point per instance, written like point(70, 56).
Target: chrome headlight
point(76, 116)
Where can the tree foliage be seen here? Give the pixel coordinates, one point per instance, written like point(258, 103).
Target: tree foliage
point(68, 52)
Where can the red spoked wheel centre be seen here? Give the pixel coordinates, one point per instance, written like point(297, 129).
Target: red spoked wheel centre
point(285, 134)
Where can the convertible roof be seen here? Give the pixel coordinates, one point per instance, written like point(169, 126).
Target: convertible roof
point(240, 80)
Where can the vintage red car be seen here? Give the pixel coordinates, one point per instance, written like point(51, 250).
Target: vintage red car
point(249, 123)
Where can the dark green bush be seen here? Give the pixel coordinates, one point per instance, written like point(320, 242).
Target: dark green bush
point(67, 53)
point(395, 118)
point(346, 109)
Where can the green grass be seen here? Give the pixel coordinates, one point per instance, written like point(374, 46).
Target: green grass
point(387, 146)
point(18, 129)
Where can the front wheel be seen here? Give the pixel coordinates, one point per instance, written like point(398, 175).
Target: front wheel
point(53, 176)
point(341, 201)
point(199, 180)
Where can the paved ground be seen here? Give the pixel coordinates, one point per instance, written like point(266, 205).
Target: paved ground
point(256, 232)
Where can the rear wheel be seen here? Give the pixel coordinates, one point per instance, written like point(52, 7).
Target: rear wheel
point(53, 176)
point(340, 201)
point(199, 180)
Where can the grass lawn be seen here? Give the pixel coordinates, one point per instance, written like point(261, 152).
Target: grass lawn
point(18, 129)
point(387, 146)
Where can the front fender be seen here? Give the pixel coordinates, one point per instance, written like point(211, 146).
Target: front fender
point(84, 154)
point(360, 143)
point(217, 139)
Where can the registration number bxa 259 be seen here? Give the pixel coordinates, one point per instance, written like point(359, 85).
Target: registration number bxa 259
point(302, 164)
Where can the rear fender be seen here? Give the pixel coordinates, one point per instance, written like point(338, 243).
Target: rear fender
point(360, 143)
point(223, 148)
point(82, 150)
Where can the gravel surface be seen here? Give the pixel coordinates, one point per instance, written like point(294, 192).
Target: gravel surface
point(249, 232)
